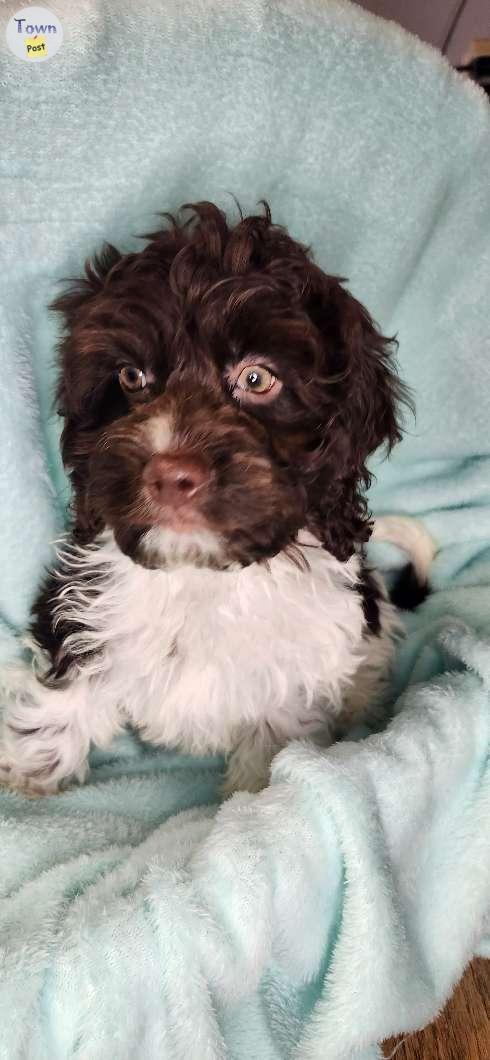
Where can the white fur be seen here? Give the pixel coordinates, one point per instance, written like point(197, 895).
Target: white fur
point(412, 537)
point(237, 661)
point(159, 432)
point(174, 548)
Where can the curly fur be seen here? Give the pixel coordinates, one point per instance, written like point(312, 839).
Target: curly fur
point(200, 294)
point(242, 616)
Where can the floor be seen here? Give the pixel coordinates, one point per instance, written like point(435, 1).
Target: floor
point(450, 25)
point(462, 1031)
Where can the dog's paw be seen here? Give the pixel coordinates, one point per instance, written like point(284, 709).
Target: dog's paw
point(248, 765)
point(241, 776)
point(31, 785)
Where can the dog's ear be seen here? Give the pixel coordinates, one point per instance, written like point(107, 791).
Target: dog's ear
point(361, 410)
point(75, 379)
point(72, 305)
point(82, 289)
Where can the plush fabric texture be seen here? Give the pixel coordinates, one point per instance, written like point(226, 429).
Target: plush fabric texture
point(342, 904)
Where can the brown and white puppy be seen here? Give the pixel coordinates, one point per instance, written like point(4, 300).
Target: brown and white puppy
point(221, 396)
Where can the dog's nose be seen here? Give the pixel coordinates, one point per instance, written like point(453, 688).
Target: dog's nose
point(173, 479)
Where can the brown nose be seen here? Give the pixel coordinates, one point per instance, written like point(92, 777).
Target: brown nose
point(173, 479)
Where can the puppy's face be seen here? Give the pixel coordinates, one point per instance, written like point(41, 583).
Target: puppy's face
point(220, 393)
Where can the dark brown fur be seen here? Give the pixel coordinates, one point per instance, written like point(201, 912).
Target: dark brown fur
point(199, 297)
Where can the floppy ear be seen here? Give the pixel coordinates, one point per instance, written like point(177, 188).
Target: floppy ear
point(71, 402)
point(72, 302)
point(363, 396)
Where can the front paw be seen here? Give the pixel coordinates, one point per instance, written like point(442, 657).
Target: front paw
point(248, 765)
point(244, 775)
point(41, 747)
point(32, 785)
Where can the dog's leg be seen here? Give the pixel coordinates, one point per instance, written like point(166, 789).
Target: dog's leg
point(45, 732)
point(248, 766)
point(367, 698)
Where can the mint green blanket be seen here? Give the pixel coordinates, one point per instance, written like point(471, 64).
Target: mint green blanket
point(341, 905)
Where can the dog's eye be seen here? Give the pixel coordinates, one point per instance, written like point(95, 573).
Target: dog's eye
point(132, 378)
point(256, 379)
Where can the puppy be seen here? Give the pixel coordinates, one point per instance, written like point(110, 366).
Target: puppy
point(220, 396)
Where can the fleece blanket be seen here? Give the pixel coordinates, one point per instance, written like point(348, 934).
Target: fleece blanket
point(140, 918)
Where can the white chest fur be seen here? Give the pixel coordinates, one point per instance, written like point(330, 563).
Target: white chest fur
point(192, 655)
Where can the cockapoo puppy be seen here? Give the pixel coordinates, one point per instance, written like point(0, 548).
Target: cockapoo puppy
point(221, 395)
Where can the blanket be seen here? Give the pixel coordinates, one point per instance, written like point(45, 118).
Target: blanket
point(140, 917)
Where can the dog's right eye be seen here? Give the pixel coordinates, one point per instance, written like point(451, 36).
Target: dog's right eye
point(132, 378)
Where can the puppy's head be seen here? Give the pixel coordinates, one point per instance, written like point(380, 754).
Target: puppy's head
point(219, 393)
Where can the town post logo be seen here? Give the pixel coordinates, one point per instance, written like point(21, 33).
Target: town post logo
point(34, 34)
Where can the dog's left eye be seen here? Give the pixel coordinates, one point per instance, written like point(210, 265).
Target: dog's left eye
point(256, 379)
point(132, 378)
